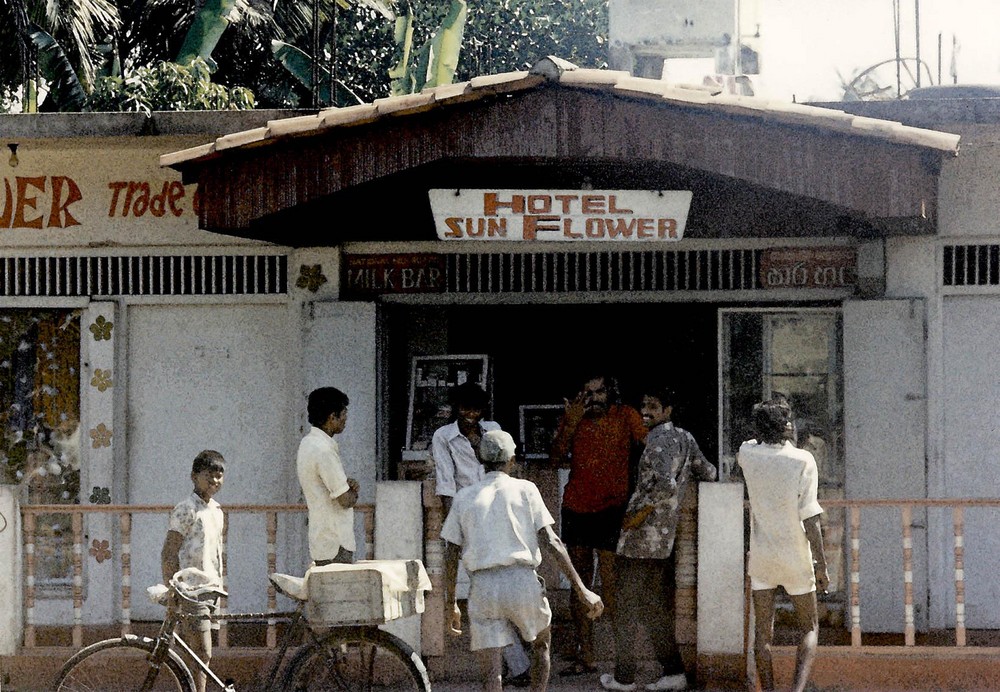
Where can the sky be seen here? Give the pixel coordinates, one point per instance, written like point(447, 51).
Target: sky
point(808, 46)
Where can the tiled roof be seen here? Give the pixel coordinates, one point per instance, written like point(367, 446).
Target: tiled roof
point(555, 71)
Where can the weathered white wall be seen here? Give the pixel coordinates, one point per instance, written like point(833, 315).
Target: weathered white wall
point(209, 377)
point(721, 554)
point(884, 442)
point(11, 596)
point(971, 446)
point(968, 203)
point(399, 535)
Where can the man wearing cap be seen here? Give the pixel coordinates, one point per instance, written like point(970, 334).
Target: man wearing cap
point(499, 527)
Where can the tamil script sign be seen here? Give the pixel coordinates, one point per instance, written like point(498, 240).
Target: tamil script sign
point(809, 267)
point(566, 215)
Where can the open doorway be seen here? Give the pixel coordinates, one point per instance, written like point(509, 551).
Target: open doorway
point(539, 354)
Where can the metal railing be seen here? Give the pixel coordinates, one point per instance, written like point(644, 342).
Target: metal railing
point(125, 515)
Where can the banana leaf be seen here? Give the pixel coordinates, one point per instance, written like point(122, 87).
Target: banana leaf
point(205, 32)
point(399, 74)
point(299, 65)
point(65, 91)
point(438, 57)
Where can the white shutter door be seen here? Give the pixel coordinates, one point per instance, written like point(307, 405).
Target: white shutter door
point(884, 428)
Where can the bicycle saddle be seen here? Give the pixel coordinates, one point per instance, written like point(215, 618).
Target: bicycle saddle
point(293, 587)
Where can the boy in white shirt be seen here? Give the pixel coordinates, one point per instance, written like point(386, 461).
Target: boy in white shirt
point(194, 540)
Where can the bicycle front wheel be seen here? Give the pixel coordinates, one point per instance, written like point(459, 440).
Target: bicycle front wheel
point(123, 665)
point(358, 659)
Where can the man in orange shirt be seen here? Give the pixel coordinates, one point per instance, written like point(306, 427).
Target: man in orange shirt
point(596, 439)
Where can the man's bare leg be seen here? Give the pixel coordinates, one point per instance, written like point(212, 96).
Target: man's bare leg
point(807, 622)
point(763, 634)
point(491, 665)
point(606, 567)
point(541, 660)
point(583, 562)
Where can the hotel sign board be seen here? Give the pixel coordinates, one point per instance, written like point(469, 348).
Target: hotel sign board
point(560, 215)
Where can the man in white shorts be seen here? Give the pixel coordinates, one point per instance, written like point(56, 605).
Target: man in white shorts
point(499, 527)
point(786, 543)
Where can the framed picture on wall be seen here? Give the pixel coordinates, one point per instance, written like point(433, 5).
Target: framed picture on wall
point(431, 380)
point(539, 423)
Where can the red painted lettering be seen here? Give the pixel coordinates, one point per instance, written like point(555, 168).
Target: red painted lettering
point(666, 228)
point(25, 202)
point(567, 202)
point(613, 206)
point(534, 224)
point(492, 204)
point(8, 205)
point(59, 216)
point(539, 204)
point(593, 204)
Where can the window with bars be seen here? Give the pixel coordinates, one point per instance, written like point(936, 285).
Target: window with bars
point(563, 272)
point(971, 265)
point(144, 275)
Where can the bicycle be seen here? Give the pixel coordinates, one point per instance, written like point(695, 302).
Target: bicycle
point(331, 657)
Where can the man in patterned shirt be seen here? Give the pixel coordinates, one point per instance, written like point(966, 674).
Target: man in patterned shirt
point(645, 555)
point(194, 540)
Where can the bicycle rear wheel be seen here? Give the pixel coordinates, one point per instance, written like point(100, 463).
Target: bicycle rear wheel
point(358, 659)
point(122, 665)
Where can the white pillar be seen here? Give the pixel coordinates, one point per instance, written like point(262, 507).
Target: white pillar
point(720, 569)
point(10, 570)
point(399, 535)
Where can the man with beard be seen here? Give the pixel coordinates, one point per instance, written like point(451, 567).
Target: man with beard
point(596, 439)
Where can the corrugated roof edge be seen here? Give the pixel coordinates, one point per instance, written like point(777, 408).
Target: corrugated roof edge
point(554, 70)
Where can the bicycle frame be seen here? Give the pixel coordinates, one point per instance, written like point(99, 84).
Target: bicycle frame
point(169, 638)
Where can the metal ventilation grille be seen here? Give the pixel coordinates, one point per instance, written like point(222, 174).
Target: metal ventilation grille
point(144, 276)
point(971, 265)
point(564, 272)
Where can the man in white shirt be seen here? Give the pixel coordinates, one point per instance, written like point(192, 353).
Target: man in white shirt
point(500, 526)
point(786, 542)
point(457, 466)
point(330, 495)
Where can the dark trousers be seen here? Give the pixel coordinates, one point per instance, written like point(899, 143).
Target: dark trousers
point(645, 599)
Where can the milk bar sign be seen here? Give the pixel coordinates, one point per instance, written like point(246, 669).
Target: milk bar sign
point(564, 215)
point(366, 276)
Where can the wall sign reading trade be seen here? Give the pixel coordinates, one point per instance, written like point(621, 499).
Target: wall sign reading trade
point(809, 267)
point(566, 215)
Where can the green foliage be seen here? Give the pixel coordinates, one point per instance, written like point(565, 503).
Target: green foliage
point(206, 30)
point(399, 74)
point(499, 36)
point(436, 60)
point(300, 64)
point(506, 35)
point(65, 90)
point(167, 86)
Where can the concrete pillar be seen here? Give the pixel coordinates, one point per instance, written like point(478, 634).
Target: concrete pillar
point(399, 535)
point(11, 621)
point(721, 550)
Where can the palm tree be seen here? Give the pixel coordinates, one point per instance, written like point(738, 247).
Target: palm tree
point(61, 35)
